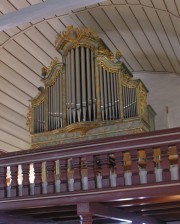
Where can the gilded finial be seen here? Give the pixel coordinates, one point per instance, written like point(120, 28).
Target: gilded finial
point(118, 55)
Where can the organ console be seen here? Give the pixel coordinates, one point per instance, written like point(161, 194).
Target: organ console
point(90, 93)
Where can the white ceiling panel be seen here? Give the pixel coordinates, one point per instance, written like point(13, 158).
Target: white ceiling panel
point(68, 21)
point(6, 7)
point(19, 4)
point(12, 103)
point(138, 34)
point(22, 55)
point(159, 4)
point(154, 40)
point(42, 42)
point(146, 3)
point(3, 37)
point(17, 80)
point(171, 7)
point(56, 24)
point(13, 31)
point(19, 67)
point(13, 140)
point(47, 31)
point(33, 49)
point(133, 2)
point(33, 2)
point(125, 39)
point(13, 117)
point(14, 92)
point(106, 3)
point(6, 147)
point(151, 39)
point(15, 130)
point(119, 2)
point(171, 42)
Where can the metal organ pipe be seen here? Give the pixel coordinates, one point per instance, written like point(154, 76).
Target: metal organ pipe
point(68, 87)
point(115, 96)
point(89, 99)
point(112, 95)
point(83, 78)
point(78, 90)
point(109, 94)
point(105, 95)
point(101, 92)
point(60, 101)
point(72, 80)
point(93, 85)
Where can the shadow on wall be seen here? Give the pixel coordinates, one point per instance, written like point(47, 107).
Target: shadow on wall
point(164, 97)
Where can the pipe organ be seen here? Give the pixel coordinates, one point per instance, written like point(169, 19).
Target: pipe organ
point(90, 92)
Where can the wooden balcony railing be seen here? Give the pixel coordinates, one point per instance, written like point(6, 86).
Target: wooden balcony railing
point(113, 165)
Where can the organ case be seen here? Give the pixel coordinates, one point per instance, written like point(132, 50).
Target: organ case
point(90, 94)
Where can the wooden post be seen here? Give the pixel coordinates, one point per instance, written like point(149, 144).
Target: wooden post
point(83, 210)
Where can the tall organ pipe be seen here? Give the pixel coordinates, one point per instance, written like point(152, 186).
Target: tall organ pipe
point(109, 94)
point(105, 95)
point(60, 101)
point(68, 87)
point(118, 95)
point(73, 93)
point(93, 85)
point(83, 83)
point(88, 83)
point(112, 95)
point(78, 90)
point(115, 96)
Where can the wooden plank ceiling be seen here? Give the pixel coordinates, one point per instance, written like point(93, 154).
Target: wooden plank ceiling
point(147, 32)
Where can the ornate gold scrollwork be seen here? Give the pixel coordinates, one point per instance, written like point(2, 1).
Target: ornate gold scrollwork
point(29, 119)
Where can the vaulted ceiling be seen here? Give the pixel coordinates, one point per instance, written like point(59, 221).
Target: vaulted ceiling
point(147, 32)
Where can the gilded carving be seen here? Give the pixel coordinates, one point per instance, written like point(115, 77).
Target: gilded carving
point(74, 36)
point(29, 119)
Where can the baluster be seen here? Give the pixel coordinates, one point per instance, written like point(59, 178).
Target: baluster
point(127, 163)
point(142, 166)
point(44, 177)
point(2, 181)
point(57, 175)
point(70, 175)
point(8, 181)
point(50, 168)
point(112, 167)
point(173, 161)
point(38, 177)
point(31, 178)
point(98, 169)
point(84, 174)
point(157, 164)
point(77, 173)
point(20, 180)
point(91, 172)
point(14, 180)
point(25, 180)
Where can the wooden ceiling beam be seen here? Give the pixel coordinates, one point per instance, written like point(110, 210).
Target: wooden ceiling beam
point(41, 10)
